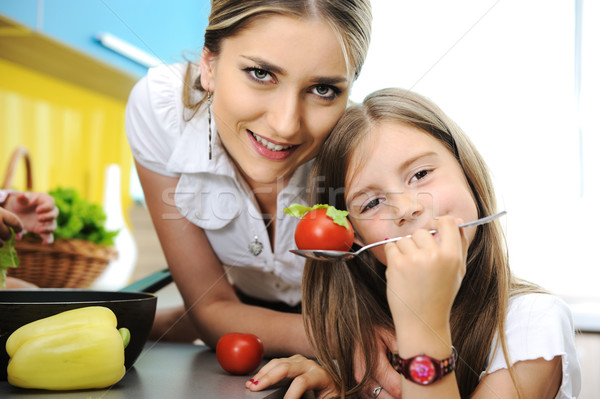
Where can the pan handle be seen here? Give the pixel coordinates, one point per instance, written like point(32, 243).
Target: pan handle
point(152, 283)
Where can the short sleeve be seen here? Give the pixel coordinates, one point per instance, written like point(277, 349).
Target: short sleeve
point(541, 326)
point(154, 115)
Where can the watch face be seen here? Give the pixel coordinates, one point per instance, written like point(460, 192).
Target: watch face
point(422, 370)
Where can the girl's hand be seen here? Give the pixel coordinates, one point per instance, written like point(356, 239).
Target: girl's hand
point(37, 213)
point(424, 273)
point(307, 375)
point(385, 375)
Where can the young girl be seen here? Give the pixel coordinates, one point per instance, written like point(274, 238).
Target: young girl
point(406, 168)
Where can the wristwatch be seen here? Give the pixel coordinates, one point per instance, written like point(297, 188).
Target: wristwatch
point(423, 369)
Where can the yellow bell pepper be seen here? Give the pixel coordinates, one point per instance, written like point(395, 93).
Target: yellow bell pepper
point(75, 349)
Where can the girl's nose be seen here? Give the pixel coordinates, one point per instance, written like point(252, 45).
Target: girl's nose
point(285, 115)
point(408, 208)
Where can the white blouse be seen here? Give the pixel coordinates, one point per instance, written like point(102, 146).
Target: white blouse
point(211, 193)
point(541, 326)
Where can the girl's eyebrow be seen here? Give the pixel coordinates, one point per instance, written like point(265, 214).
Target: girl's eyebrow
point(267, 66)
point(406, 164)
point(403, 166)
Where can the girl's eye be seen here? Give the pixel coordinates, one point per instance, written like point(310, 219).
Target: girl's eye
point(327, 92)
point(371, 204)
point(260, 75)
point(420, 175)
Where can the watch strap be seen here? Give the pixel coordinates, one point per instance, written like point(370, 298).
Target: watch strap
point(423, 369)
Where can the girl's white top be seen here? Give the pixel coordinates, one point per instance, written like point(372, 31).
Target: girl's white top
point(166, 139)
point(541, 326)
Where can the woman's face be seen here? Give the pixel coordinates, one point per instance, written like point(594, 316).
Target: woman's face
point(279, 87)
point(402, 179)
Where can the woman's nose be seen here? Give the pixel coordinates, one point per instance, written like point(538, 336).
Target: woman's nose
point(285, 116)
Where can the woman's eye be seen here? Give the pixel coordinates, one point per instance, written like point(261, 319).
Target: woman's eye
point(260, 75)
point(371, 204)
point(326, 91)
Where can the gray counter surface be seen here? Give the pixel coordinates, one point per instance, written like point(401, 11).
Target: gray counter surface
point(166, 371)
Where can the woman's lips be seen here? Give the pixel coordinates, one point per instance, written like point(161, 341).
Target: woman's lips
point(269, 149)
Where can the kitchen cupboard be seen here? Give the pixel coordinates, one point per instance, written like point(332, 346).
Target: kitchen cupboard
point(63, 95)
point(67, 108)
point(164, 30)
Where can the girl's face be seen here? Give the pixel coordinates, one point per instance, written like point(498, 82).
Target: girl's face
point(402, 178)
point(279, 87)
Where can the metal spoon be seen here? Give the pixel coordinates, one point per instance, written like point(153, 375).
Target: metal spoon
point(328, 255)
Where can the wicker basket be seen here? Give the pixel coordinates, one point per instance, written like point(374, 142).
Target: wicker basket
point(67, 263)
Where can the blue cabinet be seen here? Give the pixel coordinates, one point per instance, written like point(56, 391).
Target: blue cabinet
point(167, 31)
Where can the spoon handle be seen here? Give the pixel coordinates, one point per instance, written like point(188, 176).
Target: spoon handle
point(477, 222)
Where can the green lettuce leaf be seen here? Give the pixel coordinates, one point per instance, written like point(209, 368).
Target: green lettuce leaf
point(8, 258)
point(80, 219)
point(339, 217)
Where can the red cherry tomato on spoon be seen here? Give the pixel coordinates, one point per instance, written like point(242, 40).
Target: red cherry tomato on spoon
point(322, 227)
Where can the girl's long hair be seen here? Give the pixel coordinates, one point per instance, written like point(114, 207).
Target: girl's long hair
point(345, 302)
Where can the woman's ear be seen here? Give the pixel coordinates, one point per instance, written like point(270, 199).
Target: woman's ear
point(207, 70)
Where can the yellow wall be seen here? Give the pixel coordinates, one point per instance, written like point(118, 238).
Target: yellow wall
point(72, 133)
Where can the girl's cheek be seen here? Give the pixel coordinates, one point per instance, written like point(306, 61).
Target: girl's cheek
point(379, 253)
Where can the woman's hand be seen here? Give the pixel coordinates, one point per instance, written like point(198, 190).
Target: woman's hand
point(385, 376)
point(424, 273)
point(307, 375)
point(36, 212)
point(8, 220)
point(16, 283)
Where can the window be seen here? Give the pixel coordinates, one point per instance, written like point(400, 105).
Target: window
point(506, 72)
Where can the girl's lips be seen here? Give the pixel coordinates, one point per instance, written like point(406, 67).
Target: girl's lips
point(269, 149)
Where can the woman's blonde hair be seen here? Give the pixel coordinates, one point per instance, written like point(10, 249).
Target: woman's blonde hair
point(350, 20)
point(345, 302)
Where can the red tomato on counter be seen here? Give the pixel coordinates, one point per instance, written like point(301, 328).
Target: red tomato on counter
point(317, 230)
point(239, 353)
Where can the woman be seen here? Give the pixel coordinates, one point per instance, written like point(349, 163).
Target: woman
point(222, 146)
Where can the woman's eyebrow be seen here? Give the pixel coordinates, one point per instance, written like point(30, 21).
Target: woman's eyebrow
point(330, 81)
point(262, 64)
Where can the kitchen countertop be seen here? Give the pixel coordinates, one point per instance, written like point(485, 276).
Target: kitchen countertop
point(165, 370)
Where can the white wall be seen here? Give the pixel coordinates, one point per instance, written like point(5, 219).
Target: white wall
point(504, 71)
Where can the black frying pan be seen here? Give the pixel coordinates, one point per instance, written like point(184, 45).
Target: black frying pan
point(134, 306)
